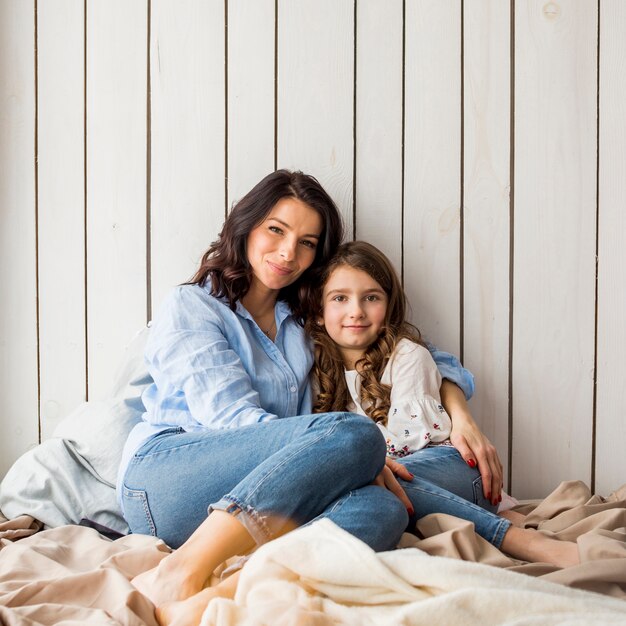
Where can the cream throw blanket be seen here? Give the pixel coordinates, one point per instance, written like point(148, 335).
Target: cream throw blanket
point(321, 575)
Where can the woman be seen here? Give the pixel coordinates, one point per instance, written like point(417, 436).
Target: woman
point(227, 421)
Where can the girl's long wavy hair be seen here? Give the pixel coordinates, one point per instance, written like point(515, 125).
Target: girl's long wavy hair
point(225, 264)
point(328, 368)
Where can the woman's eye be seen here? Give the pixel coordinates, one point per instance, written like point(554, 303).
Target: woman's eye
point(309, 244)
point(275, 229)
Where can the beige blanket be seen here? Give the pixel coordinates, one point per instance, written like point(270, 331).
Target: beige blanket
point(320, 575)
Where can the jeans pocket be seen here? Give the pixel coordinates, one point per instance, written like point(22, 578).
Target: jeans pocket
point(137, 512)
point(479, 497)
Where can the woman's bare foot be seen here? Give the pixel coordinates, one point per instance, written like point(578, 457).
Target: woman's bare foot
point(185, 612)
point(165, 583)
point(189, 612)
point(517, 519)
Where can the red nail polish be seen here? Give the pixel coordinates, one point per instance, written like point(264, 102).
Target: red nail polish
point(489, 496)
point(472, 463)
point(500, 499)
point(411, 511)
point(412, 477)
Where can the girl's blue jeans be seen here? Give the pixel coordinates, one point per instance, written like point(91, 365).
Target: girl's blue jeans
point(297, 469)
point(445, 483)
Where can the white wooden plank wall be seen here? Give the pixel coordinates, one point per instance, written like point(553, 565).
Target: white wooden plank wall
point(18, 234)
point(61, 210)
point(432, 167)
point(480, 143)
point(554, 239)
point(486, 211)
point(611, 302)
point(187, 130)
point(116, 96)
point(251, 94)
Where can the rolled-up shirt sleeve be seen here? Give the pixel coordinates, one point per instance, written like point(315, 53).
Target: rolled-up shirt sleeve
point(451, 369)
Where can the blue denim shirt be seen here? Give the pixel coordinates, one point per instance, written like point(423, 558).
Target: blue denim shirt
point(214, 368)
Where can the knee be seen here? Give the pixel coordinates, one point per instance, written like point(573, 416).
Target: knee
point(398, 516)
point(391, 519)
point(362, 442)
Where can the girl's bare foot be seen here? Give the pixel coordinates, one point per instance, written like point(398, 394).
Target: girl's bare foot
point(530, 545)
point(554, 551)
point(189, 612)
point(517, 519)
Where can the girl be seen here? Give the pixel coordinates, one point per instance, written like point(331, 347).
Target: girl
point(370, 360)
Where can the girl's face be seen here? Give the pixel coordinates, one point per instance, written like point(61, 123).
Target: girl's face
point(354, 309)
point(283, 245)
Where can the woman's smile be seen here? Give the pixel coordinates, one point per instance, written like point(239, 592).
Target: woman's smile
point(280, 269)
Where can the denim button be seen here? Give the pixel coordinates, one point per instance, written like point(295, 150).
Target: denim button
point(292, 389)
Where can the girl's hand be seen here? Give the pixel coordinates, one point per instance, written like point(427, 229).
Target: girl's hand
point(387, 479)
point(472, 445)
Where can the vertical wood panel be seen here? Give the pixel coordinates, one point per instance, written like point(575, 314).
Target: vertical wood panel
point(251, 30)
point(116, 183)
point(432, 168)
point(486, 213)
point(61, 209)
point(187, 79)
point(554, 264)
point(316, 94)
point(610, 424)
point(18, 313)
point(379, 126)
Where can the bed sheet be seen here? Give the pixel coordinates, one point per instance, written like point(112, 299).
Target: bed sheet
point(320, 575)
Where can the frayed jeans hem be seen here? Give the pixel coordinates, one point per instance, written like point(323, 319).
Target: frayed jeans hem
point(250, 518)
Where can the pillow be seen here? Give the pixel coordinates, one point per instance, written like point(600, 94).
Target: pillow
point(72, 475)
point(52, 484)
point(98, 429)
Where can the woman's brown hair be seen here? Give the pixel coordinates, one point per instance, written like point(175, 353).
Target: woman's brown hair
point(225, 264)
point(328, 368)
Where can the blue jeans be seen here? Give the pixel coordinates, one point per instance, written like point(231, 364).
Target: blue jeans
point(445, 483)
point(297, 469)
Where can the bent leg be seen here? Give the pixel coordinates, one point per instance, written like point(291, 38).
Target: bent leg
point(339, 453)
point(444, 483)
point(444, 466)
point(272, 473)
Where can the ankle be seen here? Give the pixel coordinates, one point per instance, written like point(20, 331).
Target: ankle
point(178, 567)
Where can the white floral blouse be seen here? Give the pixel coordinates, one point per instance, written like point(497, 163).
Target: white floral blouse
point(416, 416)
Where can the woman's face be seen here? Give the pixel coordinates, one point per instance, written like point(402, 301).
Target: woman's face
point(283, 245)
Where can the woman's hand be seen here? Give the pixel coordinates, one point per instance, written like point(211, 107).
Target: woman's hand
point(471, 443)
point(387, 479)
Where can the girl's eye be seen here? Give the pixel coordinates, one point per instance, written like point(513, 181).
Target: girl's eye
point(339, 299)
point(371, 298)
